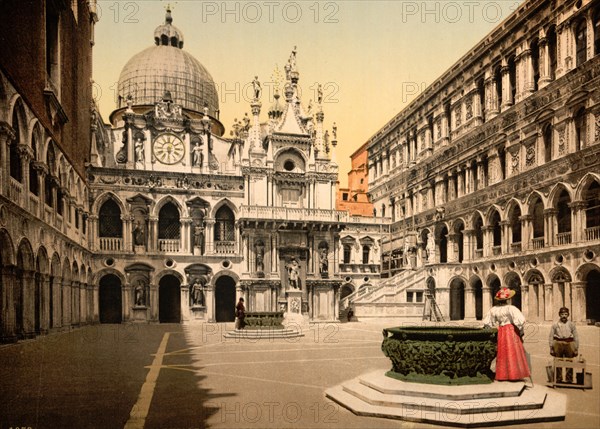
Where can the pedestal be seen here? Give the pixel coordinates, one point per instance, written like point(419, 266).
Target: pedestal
point(198, 312)
point(293, 315)
point(140, 314)
point(197, 251)
point(139, 249)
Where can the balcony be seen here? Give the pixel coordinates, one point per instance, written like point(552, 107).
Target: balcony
point(515, 247)
point(111, 244)
point(168, 245)
point(34, 204)
point(15, 189)
point(537, 243)
point(224, 248)
point(563, 238)
point(305, 215)
point(496, 250)
point(592, 233)
point(359, 268)
point(479, 253)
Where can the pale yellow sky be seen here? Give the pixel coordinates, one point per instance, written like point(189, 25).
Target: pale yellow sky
point(370, 56)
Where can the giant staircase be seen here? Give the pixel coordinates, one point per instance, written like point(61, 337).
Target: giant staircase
point(383, 298)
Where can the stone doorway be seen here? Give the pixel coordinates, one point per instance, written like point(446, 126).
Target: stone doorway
point(225, 299)
point(169, 300)
point(592, 296)
point(457, 300)
point(110, 299)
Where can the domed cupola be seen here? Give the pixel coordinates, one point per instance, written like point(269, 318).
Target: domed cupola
point(167, 34)
point(277, 108)
point(167, 67)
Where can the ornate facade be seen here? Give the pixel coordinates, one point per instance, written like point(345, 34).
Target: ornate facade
point(45, 98)
point(184, 221)
point(491, 174)
point(157, 217)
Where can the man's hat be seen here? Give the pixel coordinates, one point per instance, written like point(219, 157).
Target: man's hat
point(563, 310)
point(241, 299)
point(504, 293)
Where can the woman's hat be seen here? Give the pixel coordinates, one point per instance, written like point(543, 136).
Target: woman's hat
point(504, 293)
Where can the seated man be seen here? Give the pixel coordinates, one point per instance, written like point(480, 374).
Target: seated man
point(564, 342)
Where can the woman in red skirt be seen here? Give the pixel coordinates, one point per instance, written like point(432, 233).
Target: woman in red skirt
point(511, 363)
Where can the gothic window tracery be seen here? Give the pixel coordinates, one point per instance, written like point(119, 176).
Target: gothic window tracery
point(109, 220)
point(169, 225)
point(224, 225)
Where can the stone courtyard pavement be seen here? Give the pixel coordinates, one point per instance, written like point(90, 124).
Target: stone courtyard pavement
point(183, 377)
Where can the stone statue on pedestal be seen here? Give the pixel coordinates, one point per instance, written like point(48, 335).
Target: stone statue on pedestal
point(197, 293)
point(293, 269)
point(139, 235)
point(140, 293)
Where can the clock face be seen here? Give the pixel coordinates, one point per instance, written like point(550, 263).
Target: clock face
point(168, 149)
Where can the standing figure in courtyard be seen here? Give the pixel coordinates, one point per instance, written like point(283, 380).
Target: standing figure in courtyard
point(511, 362)
point(564, 342)
point(240, 314)
point(293, 274)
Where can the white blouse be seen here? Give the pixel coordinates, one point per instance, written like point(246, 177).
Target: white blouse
point(501, 315)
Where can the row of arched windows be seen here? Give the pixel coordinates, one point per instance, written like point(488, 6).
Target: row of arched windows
point(501, 92)
point(57, 183)
point(110, 224)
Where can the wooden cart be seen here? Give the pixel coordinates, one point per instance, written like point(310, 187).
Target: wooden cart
point(580, 378)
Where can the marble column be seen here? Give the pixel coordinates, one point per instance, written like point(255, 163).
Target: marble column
point(486, 299)
point(469, 303)
point(8, 320)
point(27, 283)
point(544, 63)
point(548, 302)
point(525, 301)
point(507, 99)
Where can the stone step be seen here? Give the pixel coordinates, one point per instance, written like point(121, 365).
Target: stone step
point(377, 380)
point(537, 404)
point(530, 399)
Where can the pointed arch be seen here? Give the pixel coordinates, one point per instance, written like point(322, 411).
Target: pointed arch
point(555, 192)
point(224, 227)
point(477, 222)
point(536, 209)
point(182, 208)
point(221, 203)
point(25, 255)
point(584, 184)
point(7, 249)
point(42, 261)
point(103, 197)
point(55, 266)
point(66, 273)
